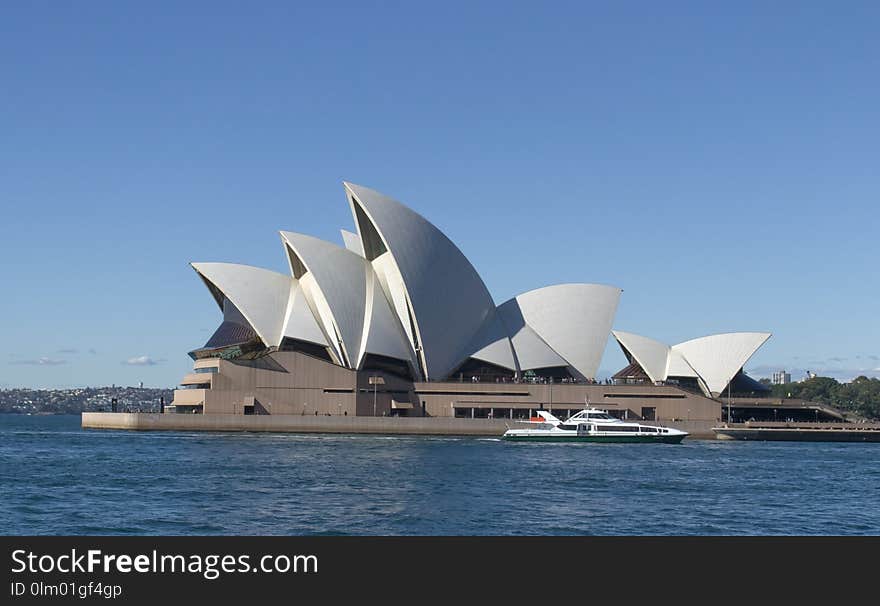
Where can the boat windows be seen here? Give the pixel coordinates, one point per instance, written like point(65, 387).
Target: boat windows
point(621, 427)
point(600, 416)
point(568, 427)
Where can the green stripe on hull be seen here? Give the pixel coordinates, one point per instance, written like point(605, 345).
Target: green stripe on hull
point(608, 439)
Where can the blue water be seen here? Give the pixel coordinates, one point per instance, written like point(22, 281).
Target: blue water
point(56, 478)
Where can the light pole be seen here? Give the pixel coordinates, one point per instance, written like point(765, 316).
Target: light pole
point(375, 381)
point(729, 402)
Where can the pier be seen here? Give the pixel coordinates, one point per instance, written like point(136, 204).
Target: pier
point(800, 432)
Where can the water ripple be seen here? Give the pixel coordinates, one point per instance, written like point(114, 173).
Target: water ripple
point(59, 479)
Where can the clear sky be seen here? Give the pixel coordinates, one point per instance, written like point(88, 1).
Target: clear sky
point(717, 161)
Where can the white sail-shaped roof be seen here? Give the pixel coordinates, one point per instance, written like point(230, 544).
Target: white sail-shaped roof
point(717, 358)
point(651, 355)
point(353, 242)
point(445, 296)
point(382, 334)
point(678, 366)
point(531, 351)
point(259, 294)
point(336, 286)
point(574, 320)
point(401, 289)
point(492, 344)
point(300, 322)
point(714, 360)
point(344, 291)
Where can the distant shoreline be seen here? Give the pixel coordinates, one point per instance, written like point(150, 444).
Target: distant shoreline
point(39, 414)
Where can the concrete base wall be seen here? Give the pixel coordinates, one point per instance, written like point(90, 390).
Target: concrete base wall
point(295, 384)
point(298, 424)
point(325, 424)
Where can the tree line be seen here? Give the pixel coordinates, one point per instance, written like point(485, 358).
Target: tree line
point(861, 396)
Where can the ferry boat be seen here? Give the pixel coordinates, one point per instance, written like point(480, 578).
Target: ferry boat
point(592, 425)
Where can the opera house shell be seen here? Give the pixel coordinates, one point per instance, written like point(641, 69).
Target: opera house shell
point(398, 300)
point(399, 289)
point(711, 363)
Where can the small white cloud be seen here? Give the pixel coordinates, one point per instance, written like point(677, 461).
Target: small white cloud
point(143, 361)
point(40, 362)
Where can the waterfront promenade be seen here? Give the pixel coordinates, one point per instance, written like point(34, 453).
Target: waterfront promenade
point(327, 424)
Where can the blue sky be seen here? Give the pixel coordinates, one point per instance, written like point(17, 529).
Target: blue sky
point(718, 163)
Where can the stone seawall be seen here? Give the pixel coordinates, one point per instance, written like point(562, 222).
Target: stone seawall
point(325, 424)
point(298, 424)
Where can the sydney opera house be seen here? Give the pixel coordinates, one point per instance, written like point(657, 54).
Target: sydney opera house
point(396, 321)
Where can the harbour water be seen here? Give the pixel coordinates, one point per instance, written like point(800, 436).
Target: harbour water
point(57, 478)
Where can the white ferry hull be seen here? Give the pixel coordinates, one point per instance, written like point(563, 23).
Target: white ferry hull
point(619, 439)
